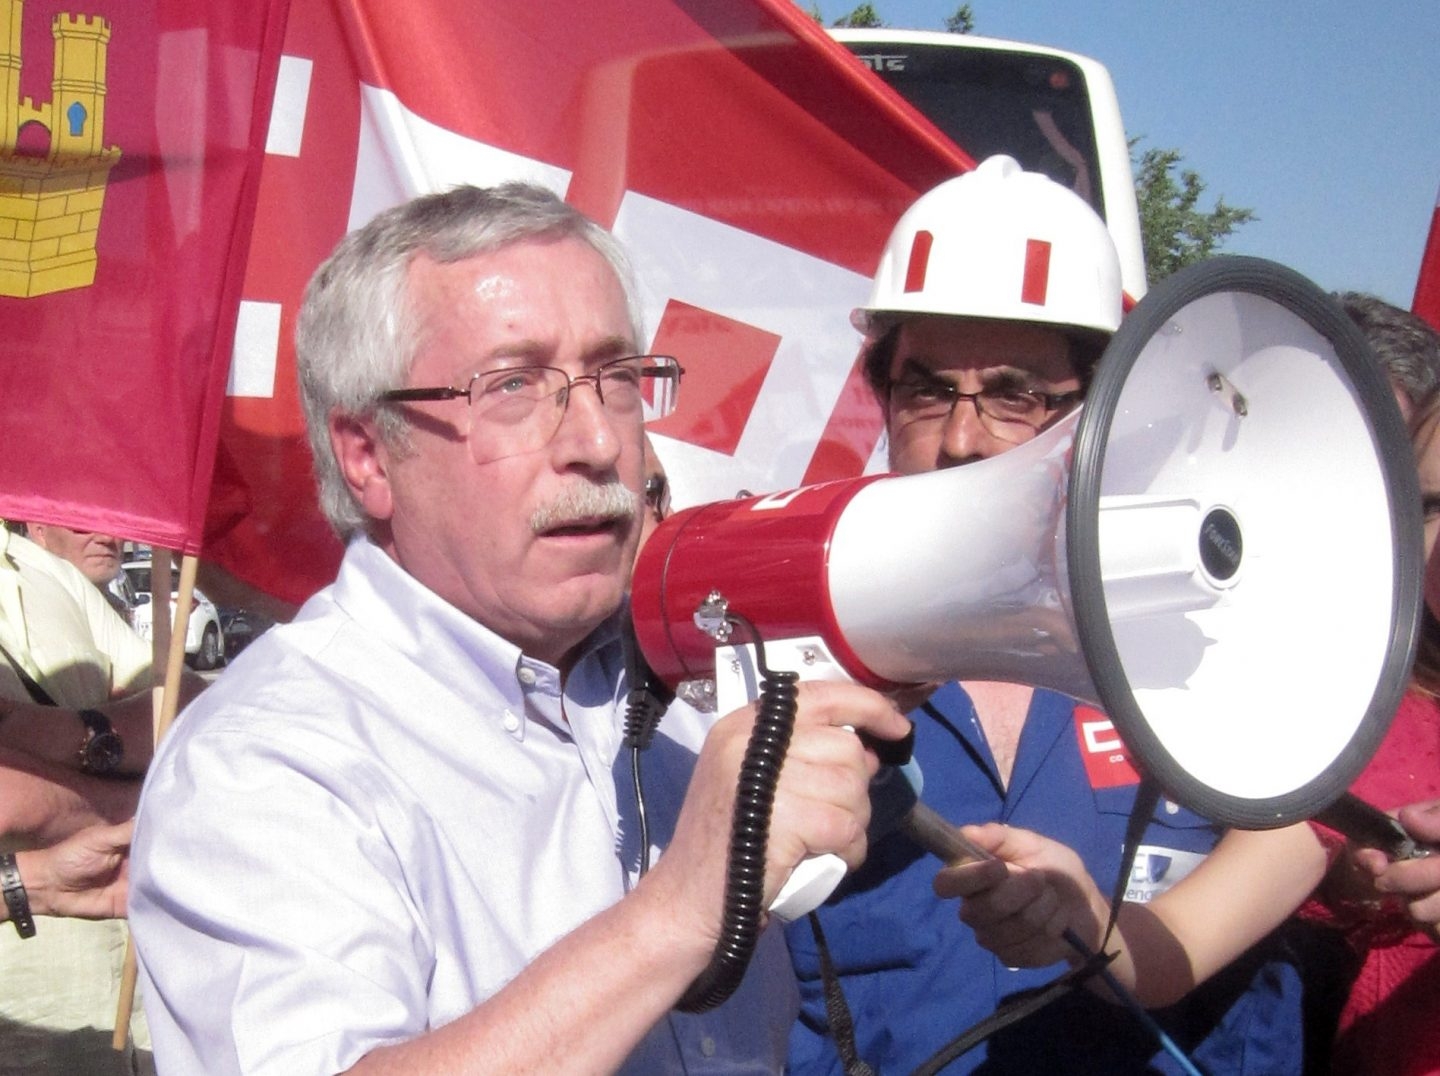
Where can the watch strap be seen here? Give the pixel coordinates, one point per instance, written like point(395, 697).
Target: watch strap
point(102, 748)
point(16, 899)
point(96, 722)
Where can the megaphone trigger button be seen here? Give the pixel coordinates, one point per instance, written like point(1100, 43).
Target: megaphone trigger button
point(891, 752)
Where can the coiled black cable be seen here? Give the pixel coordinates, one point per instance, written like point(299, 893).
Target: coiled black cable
point(749, 835)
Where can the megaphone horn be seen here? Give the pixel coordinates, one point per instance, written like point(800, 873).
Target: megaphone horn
point(1221, 548)
point(1240, 386)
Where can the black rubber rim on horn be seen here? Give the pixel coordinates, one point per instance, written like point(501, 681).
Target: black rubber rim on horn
point(1295, 293)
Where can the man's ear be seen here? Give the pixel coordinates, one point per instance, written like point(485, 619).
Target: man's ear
point(364, 463)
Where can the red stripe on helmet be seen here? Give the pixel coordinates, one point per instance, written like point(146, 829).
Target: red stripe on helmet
point(919, 261)
point(1037, 272)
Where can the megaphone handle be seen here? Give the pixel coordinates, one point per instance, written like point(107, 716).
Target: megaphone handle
point(1367, 825)
point(812, 880)
point(740, 672)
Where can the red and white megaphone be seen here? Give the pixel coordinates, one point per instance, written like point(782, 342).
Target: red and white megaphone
point(1222, 549)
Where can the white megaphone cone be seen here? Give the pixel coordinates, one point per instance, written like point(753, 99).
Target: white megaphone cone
point(1310, 535)
point(1222, 550)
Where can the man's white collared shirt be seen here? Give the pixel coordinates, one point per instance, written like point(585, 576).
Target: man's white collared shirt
point(377, 818)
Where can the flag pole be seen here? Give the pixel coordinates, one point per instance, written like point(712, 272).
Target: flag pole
point(167, 651)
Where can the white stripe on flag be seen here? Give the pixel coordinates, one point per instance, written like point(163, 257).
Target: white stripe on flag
point(401, 155)
point(257, 339)
point(287, 113)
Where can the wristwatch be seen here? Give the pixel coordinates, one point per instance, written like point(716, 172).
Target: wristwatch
point(16, 899)
point(102, 749)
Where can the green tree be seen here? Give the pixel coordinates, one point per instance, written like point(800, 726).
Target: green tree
point(863, 17)
point(1173, 230)
point(962, 22)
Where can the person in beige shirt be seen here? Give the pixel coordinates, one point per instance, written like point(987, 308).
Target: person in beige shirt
point(59, 988)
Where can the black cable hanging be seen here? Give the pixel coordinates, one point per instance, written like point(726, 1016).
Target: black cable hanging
point(749, 834)
point(645, 705)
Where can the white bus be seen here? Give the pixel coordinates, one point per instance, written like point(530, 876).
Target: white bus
point(1055, 112)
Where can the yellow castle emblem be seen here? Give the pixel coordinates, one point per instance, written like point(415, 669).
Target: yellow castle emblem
point(50, 204)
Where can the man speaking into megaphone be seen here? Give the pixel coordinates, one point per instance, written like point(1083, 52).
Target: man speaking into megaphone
point(994, 299)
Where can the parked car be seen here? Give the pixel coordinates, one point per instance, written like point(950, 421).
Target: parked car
point(121, 594)
point(204, 638)
point(240, 627)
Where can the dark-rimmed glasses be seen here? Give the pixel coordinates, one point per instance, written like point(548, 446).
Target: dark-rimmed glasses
point(1011, 414)
point(518, 409)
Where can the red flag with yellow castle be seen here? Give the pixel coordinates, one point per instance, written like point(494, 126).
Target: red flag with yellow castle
point(128, 172)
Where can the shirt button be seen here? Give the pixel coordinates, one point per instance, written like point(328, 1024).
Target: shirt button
point(512, 723)
point(1171, 807)
point(707, 1046)
point(527, 676)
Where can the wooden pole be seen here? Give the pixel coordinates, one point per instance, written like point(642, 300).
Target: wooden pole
point(168, 652)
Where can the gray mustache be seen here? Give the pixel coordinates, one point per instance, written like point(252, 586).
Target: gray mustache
point(585, 502)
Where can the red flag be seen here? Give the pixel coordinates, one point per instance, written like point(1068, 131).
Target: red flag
point(127, 182)
point(1427, 286)
point(752, 168)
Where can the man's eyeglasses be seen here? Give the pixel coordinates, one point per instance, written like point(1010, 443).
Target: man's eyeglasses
point(518, 409)
point(1013, 415)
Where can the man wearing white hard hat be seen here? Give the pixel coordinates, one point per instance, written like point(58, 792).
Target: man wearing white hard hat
point(995, 296)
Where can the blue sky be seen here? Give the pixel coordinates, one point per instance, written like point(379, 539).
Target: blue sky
point(1322, 116)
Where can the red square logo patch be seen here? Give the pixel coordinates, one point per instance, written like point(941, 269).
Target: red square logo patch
point(1107, 761)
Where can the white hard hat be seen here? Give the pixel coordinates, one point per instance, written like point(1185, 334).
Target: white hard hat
point(999, 243)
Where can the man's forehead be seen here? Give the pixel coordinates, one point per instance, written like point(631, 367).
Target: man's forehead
point(522, 304)
point(512, 271)
point(63, 531)
point(943, 344)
